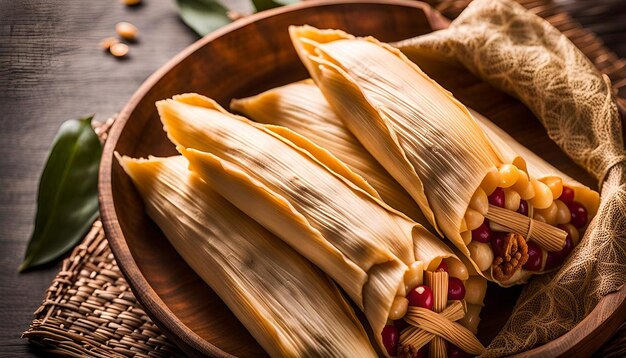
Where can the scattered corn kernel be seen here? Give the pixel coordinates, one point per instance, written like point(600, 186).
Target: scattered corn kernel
point(108, 42)
point(126, 30)
point(119, 49)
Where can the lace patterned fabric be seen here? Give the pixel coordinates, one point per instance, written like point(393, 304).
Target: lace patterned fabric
point(523, 55)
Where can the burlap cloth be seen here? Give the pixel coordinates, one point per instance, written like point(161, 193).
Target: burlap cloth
point(89, 309)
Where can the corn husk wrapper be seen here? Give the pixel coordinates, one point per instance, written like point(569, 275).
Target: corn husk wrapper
point(306, 197)
point(512, 150)
point(290, 307)
point(302, 108)
point(382, 98)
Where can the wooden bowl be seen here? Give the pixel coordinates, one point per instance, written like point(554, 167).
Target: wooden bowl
point(249, 56)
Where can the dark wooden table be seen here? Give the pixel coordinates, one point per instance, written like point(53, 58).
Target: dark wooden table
point(52, 69)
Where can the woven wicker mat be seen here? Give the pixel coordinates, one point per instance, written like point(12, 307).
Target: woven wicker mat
point(89, 309)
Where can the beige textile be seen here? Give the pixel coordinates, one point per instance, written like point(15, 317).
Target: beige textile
point(523, 55)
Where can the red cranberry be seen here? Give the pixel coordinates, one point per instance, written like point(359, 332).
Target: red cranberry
point(456, 290)
point(568, 247)
point(443, 266)
point(456, 352)
point(579, 214)
point(421, 296)
point(534, 257)
point(482, 233)
point(567, 196)
point(553, 260)
point(497, 239)
point(390, 339)
point(523, 207)
point(556, 258)
point(497, 197)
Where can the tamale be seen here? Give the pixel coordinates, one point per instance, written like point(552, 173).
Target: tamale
point(302, 108)
point(429, 142)
point(290, 307)
point(312, 201)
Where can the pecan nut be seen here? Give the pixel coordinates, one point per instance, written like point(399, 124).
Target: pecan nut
point(512, 255)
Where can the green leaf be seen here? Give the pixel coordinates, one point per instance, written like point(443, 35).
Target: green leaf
point(67, 202)
point(261, 5)
point(203, 16)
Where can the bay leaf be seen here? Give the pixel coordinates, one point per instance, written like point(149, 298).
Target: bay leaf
point(203, 16)
point(261, 5)
point(67, 202)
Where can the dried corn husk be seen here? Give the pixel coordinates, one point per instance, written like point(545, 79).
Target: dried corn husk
point(417, 130)
point(288, 305)
point(382, 98)
point(512, 149)
point(306, 197)
point(302, 108)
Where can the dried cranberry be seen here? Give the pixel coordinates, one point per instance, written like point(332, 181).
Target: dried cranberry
point(482, 233)
point(556, 258)
point(523, 207)
point(579, 214)
point(456, 289)
point(535, 256)
point(497, 197)
point(390, 339)
point(497, 240)
point(567, 196)
point(421, 296)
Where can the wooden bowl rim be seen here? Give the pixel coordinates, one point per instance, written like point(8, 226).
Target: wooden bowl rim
point(609, 309)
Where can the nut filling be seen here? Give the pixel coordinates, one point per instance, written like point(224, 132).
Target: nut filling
point(512, 255)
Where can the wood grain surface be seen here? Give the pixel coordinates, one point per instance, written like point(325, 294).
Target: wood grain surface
point(51, 69)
